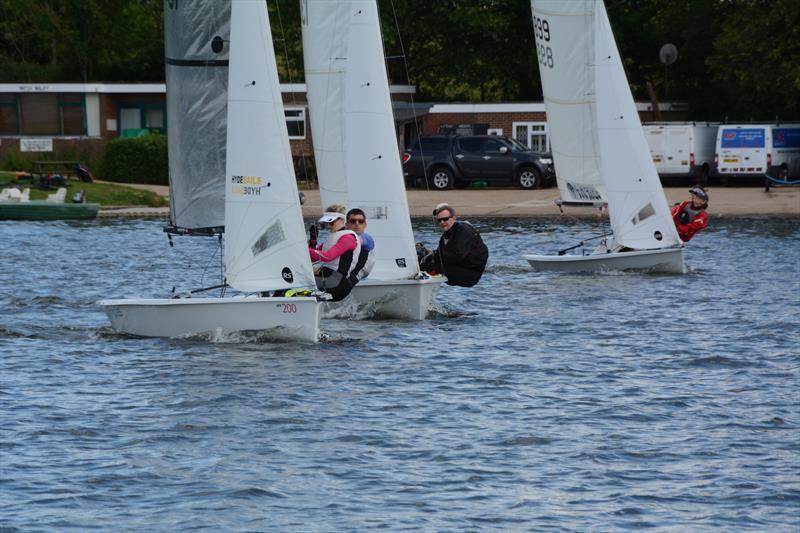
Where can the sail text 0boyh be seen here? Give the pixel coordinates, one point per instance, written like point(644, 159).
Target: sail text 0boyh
point(247, 185)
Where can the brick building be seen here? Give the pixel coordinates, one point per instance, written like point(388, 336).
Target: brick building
point(75, 120)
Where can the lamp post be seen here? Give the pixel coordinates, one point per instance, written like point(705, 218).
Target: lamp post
point(668, 54)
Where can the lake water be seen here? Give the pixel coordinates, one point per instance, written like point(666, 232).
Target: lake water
point(533, 402)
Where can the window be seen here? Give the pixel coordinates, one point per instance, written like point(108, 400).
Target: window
point(533, 135)
point(72, 114)
point(471, 144)
point(296, 123)
point(492, 145)
point(154, 119)
point(130, 118)
point(8, 114)
point(431, 144)
point(39, 112)
point(151, 117)
point(42, 114)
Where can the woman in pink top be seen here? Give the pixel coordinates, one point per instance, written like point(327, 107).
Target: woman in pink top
point(337, 254)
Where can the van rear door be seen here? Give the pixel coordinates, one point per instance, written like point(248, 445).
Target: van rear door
point(742, 150)
point(679, 149)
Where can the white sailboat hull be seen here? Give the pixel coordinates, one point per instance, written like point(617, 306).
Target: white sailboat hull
point(668, 260)
point(285, 318)
point(407, 299)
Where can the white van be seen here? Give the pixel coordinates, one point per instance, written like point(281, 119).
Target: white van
point(682, 149)
point(755, 150)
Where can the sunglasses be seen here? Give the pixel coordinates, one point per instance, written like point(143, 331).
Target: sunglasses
point(356, 220)
point(443, 219)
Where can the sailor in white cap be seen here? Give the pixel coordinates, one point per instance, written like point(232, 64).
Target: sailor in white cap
point(337, 254)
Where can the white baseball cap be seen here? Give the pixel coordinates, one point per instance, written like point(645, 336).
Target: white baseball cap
point(329, 216)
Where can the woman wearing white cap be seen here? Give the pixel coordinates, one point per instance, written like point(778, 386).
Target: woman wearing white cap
point(338, 254)
point(690, 216)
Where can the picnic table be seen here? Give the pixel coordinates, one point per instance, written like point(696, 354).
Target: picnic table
point(50, 173)
point(65, 168)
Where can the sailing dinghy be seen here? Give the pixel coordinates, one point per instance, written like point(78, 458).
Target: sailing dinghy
point(357, 155)
point(597, 132)
point(265, 242)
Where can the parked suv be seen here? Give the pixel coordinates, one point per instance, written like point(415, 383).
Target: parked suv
point(447, 161)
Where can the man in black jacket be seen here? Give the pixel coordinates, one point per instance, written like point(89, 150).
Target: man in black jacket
point(461, 255)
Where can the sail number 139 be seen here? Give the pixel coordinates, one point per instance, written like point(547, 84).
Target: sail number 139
point(541, 30)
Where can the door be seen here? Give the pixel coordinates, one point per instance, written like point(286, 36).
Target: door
point(469, 157)
point(742, 150)
point(497, 165)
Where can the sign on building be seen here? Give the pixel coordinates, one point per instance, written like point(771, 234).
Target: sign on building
point(36, 145)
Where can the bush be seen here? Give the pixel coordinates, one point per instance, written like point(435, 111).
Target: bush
point(137, 160)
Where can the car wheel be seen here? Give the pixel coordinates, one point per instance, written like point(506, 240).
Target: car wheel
point(529, 178)
point(442, 178)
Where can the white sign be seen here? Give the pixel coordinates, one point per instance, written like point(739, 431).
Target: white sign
point(36, 145)
point(34, 88)
point(111, 124)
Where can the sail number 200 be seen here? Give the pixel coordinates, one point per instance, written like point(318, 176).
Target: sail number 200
point(541, 30)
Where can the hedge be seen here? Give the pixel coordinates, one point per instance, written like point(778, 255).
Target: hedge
point(137, 160)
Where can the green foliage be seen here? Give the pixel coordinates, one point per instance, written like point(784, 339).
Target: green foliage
point(755, 64)
point(15, 160)
point(105, 194)
point(82, 40)
point(738, 59)
point(137, 160)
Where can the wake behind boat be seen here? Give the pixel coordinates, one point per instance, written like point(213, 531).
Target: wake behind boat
point(586, 90)
point(265, 243)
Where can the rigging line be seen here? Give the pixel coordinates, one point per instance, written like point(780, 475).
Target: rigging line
point(294, 95)
point(208, 263)
point(413, 104)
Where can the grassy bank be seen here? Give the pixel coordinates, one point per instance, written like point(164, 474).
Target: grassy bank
point(106, 194)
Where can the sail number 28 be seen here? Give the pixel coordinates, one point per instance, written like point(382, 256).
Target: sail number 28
point(541, 30)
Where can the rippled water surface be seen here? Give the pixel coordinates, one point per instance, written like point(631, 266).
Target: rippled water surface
point(534, 402)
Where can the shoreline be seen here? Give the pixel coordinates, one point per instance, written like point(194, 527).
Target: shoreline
point(511, 202)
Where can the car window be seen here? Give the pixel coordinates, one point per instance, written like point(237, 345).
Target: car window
point(518, 145)
point(470, 144)
point(430, 144)
point(492, 145)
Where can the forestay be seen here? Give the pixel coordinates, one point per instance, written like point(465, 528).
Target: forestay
point(265, 245)
point(640, 216)
point(355, 146)
point(197, 81)
point(564, 40)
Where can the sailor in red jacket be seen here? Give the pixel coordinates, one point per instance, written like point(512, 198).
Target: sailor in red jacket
point(690, 216)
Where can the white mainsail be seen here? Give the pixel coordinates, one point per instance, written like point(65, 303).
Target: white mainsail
point(355, 145)
point(640, 216)
point(265, 245)
point(195, 45)
point(565, 47)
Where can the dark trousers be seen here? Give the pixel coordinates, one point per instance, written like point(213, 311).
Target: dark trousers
point(334, 284)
